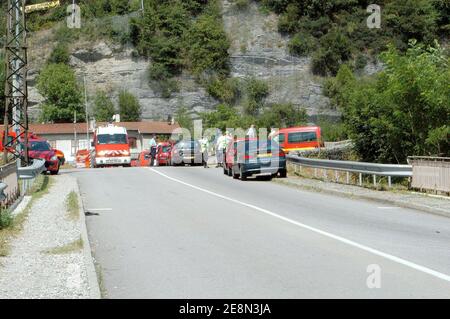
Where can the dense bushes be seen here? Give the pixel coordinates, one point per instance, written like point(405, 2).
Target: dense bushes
point(403, 111)
point(402, 20)
point(103, 107)
point(276, 115)
point(60, 54)
point(301, 44)
point(244, 104)
point(129, 107)
point(181, 35)
point(335, 49)
point(226, 90)
point(208, 45)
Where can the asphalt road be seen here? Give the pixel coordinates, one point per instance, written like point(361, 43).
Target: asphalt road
point(194, 233)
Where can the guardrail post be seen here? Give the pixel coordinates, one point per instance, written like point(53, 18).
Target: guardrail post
point(360, 179)
point(375, 180)
point(336, 176)
point(315, 172)
point(390, 181)
point(348, 178)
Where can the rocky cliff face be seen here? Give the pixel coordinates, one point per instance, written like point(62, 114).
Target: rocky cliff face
point(112, 69)
point(257, 50)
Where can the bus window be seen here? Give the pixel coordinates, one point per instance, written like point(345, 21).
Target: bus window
point(302, 137)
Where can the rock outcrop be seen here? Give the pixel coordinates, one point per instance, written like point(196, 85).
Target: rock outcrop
point(257, 50)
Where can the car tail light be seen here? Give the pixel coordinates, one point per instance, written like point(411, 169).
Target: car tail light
point(248, 157)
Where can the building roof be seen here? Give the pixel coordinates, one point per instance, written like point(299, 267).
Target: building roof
point(145, 127)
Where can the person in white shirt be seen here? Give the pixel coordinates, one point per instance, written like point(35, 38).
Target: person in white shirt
point(152, 148)
point(272, 133)
point(220, 147)
point(251, 133)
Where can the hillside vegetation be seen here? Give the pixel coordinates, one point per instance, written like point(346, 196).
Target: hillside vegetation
point(403, 110)
point(335, 31)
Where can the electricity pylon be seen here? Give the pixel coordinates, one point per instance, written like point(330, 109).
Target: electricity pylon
point(16, 92)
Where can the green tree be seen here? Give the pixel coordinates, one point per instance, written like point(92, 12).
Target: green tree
point(129, 107)
point(282, 115)
point(412, 19)
point(405, 110)
point(208, 46)
point(103, 107)
point(58, 85)
point(225, 116)
point(184, 119)
point(257, 91)
point(226, 90)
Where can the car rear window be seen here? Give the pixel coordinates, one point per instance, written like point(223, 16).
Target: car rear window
point(258, 146)
point(299, 137)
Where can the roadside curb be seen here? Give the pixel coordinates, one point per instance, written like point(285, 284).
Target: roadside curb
point(19, 205)
point(404, 204)
point(94, 287)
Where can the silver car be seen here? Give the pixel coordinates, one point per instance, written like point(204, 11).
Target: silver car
point(186, 152)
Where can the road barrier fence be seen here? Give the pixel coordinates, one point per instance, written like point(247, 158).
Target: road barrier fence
point(360, 168)
point(9, 185)
point(29, 173)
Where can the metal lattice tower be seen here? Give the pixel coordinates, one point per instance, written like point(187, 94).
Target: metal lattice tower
point(16, 91)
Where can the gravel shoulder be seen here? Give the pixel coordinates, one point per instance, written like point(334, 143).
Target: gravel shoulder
point(50, 258)
point(438, 205)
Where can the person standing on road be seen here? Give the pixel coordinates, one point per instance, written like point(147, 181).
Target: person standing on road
point(220, 147)
point(272, 133)
point(251, 133)
point(152, 147)
point(204, 144)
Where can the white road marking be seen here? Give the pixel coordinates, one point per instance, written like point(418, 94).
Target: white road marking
point(393, 258)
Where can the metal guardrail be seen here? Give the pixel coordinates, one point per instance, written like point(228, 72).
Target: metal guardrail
point(389, 170)
point(2, 191)
point(32, 171)
point(9, 176)
point(29, 173)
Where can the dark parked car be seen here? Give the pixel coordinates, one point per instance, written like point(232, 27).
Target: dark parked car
point(186, 152)
point(247, 157)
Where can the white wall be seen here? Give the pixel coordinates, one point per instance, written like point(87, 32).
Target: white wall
point(65, 143)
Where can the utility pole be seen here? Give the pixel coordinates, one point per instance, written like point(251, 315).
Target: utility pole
point(75, 132)
point(16, 91)
point(87, 115)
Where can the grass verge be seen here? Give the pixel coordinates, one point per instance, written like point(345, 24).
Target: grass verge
point(71, 247)
point(40, 188)
point(73, 209)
